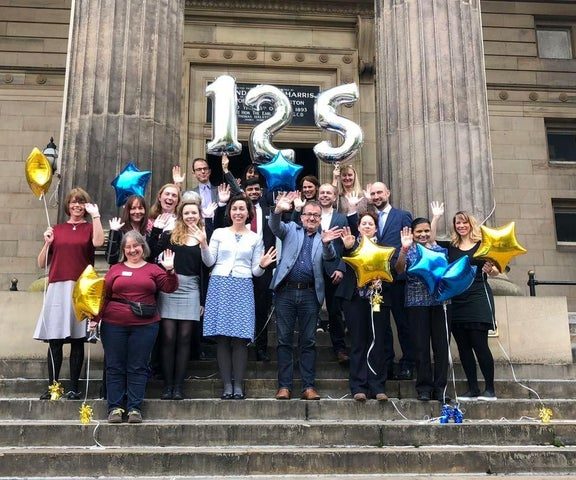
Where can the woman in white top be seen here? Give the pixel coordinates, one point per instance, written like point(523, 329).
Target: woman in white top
point(237, 254)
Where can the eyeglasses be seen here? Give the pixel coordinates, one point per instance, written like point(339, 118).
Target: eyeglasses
point(76, 202)
point(202, 169)
point(312, 215)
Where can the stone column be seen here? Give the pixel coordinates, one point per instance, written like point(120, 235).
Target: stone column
point(433, 110)
point(123, 96)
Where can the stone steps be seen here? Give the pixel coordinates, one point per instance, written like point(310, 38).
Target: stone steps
point(328, 388)
point(14, 410)
point(155, 460)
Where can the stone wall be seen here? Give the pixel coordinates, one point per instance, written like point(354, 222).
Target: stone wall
point(522, 90)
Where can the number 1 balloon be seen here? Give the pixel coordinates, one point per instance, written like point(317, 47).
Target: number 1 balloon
point(327, 118)
point(261, 148)
point(222, 92)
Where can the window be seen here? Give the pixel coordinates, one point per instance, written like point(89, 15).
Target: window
point(561, 136)
point(554, 42)
point(565, 221)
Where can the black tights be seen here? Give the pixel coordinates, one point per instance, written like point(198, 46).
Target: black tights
point(55, 356)
point(472, 342)
point(232, 355)
point(176, 340)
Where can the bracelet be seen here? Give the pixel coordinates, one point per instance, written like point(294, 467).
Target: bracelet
point(97, 216)
point(170, 271)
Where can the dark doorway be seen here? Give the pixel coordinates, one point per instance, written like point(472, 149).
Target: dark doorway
point(238, 163)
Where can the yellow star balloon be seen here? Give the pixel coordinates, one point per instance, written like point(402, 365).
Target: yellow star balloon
point(370, 262)
point(88, 294)
point(499, 245)
point(38, 172)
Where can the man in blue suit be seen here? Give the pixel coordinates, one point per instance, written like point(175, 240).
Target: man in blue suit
point(390, 222)
point(298, 284)
point(208, 193)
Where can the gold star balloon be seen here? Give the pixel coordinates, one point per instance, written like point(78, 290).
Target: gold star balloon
point(88, 294)
point(499, 245)
point(370, 262)
point(38, 172)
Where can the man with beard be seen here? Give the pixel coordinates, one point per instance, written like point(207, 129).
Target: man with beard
point(390, 222)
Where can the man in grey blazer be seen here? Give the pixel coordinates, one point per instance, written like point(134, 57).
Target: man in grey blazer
point(208, 193)
point(298, 284)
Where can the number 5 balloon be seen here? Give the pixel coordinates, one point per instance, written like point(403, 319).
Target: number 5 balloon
point(326, 118)
point(224, 121)
point(261, 148)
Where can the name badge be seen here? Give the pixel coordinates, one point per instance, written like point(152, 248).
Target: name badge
point(126, 274)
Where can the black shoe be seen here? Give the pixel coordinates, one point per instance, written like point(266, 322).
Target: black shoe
point(239, 396)
point(424, 396)
point(441, 396)
point(45, 395)
point(167, 393)
point(404, 374)
point(262, 356)
point(227, 396)
point(469, 396)
point(488, 396)
point(72, 395)
point(178, 394)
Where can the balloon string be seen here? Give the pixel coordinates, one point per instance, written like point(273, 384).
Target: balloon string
point(504, 350)
point(264, 327)
point(450, 360)
point(489, 213)
point(372, 292)
point(46, 209)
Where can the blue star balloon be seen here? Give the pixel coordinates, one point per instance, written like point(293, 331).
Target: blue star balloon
point(429, 267)
point(456, 279)
point(280, 174)
point(130, 181)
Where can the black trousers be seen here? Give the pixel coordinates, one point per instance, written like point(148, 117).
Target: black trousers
point(428, 327)
point(470, 343)
point(397, 296)
point(263, 302)
point(358, 320)
point(335, 321)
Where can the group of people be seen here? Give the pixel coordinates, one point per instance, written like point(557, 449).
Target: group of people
point(203, 263)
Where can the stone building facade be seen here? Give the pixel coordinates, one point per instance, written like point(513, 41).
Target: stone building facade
point(527, 54)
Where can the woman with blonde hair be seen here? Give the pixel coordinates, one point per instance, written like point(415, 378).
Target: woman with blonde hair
point(472, 312)
point(180, 310)
point(345, 179)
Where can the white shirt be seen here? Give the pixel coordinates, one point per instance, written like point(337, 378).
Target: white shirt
point(326, 220)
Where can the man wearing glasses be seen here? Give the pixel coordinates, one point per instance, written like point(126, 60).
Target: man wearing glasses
point(298, 284)
point(207, 192)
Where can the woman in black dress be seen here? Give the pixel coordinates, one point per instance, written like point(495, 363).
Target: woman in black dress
point(473, 311)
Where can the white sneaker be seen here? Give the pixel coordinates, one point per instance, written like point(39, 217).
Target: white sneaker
point(487, 396)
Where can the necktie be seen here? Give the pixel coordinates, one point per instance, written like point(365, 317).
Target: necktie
point(253, 224)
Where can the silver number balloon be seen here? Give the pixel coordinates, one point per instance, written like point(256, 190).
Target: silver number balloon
point(224, 120)
point(326, 118)
point(261, 148)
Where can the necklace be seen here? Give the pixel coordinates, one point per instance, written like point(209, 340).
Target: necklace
point(75, 224)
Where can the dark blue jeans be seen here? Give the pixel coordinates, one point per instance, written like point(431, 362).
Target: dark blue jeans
point(291, 305)
point(127, 350)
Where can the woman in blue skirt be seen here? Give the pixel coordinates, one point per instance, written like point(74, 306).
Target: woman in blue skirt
point(236, 254)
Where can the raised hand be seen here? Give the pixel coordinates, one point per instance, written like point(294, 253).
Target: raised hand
point(225, 163)
point(331, 234)
point(208, 212)
point(115, 224)
point(199, 234)
point(367, 192)
point(347, 238)
point(353, 201)
point(178, 176)
point(223, 193)
point(167, 259)
point(268, 258)
point(284, 201)
point(437, 209)
point(336, 173)
point(299, 202)
point(162, 220)
point(406, 238)
point(92, 210)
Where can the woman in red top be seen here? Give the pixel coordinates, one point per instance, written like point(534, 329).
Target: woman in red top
point(68, 249)
point(128, 338)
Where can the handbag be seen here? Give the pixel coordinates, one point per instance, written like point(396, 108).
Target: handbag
point(144, 310)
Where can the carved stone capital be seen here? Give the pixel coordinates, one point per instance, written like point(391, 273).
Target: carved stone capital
point(342, 7)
